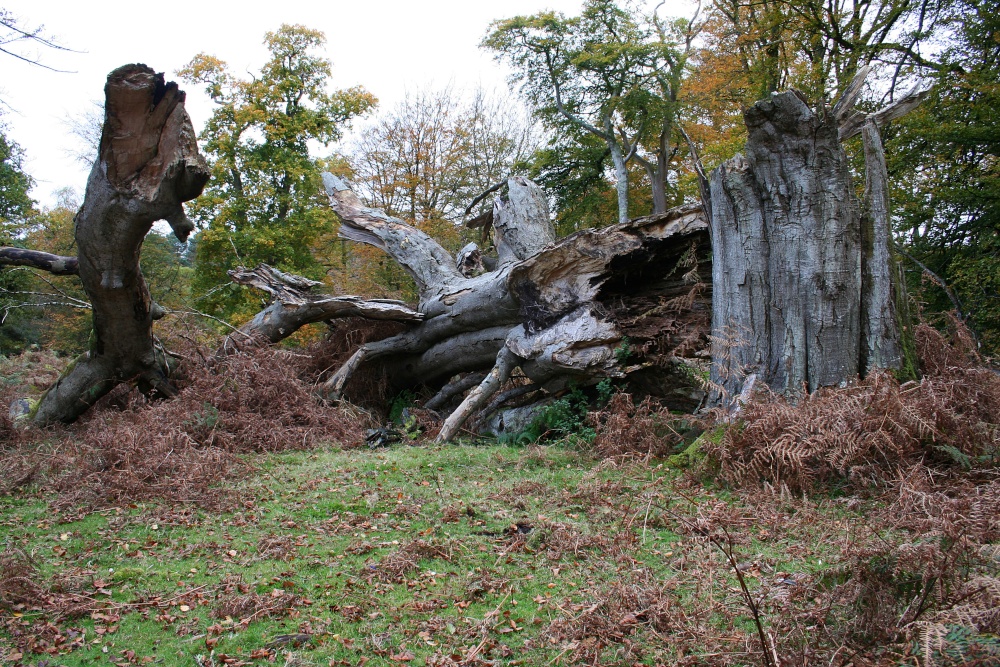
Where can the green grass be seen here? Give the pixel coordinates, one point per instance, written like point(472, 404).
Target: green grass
point(326, 525)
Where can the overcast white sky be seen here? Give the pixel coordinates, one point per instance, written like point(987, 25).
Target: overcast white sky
point(388, 46)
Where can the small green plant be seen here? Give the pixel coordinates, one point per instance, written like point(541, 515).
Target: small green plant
point(565, 417)
point(624, 351)
point(207, 417)
point(605, 390)
point(399, 404)
point(411, 427)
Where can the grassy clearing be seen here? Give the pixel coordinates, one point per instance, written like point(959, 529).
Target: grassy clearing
point(859, 527)
point(432, 555)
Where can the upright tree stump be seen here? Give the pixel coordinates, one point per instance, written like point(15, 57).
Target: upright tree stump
point(148, 165)
point(804, 280)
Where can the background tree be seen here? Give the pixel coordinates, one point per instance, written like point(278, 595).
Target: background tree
point(753, 48)
point(610, 76)
point(265, 201)
point(53, 309)
point(16, 36)
point(757, 47)
point(431, 155)
point(425, 161)
point(590, 71)
point(15, 206)
point(671, 44)
point(572, 169)
point(944, 159)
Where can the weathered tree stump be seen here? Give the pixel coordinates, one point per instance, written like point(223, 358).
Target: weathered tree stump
point(805, 284)
point(148, 165)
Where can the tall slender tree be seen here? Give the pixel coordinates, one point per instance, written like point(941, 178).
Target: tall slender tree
point(601, 72)
point(265, 201)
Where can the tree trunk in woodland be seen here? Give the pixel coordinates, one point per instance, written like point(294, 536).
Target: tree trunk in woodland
point(806, 287)
point(616, 302)
point(147, 166)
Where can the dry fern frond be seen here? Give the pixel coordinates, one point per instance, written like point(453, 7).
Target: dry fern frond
point(950, 417)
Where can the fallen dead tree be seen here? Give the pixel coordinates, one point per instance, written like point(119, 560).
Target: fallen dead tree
point(294, 304)
point(619, 302)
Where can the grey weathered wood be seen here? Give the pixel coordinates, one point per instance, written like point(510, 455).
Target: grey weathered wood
point(844, 107)
point(805, 284)
point(54, 264)
point(431, 266)
point(147, 166)
point(881, 330)
point(506, 362)
point(457, 386)
point(568, 293)
point(786, 254)
point(852, 123)
point(294, 305)
point(521, 220)
point(551, 307)
point(455, 308)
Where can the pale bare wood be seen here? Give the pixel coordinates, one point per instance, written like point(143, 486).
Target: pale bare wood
point(294, 305)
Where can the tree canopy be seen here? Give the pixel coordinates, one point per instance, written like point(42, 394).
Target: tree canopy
point(264, 202)
point(944, 158)
point(15, 206)
point(610, 73)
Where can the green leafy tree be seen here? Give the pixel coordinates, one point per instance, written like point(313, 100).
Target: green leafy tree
point(945, 160)
point(607, 72)
point(265, 201)
point(572, 166)
point(15, 206)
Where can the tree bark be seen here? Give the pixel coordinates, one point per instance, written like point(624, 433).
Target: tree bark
point(563, 311)
point(147, 166)
point(786, 254)
point(805, 284)
point(55, 264)
point(880, 286)
point(294, 305)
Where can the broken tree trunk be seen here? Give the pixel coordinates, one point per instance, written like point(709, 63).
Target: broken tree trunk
point(804, 281)
point(294, 305)
point(615, 302)
point(147, 166)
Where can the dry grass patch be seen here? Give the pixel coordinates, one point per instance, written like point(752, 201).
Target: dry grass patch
point(125, 450)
